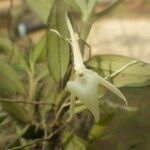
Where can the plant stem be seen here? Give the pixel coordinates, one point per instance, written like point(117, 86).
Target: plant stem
point(85, 29)
point(31, 90)
point(32, 86)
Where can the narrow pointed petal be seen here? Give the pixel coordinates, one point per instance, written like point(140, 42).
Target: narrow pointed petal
point(112, 88)
point(78, 60)
point(93, 105)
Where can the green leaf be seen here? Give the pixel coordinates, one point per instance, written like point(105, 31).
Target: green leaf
point(79, 108)
point(48, 90)
point(41, 8)
point(16, 111)
point(97, 130)
point(12, 51)
point(73, 142)
point(113, 4)
point(86, 7)
point(90, 5)
point(82, 5)
point(9, 80)
point(134, 75)
point(57, 51)
point(37, 51)
point(11, 84)
point(71, 5)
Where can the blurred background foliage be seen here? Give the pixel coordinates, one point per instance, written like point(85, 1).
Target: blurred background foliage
point(35, 65)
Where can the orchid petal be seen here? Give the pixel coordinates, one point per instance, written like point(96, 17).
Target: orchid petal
point(112, 88)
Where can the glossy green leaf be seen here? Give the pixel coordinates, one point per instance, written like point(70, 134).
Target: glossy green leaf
point(16, 111)
point(137, 74)
point(9, 80)
point(41, 8)
point(57, 52)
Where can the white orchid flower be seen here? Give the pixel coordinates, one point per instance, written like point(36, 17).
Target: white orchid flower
point(86, 82)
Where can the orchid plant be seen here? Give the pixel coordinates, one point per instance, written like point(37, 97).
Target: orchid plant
point(43, 83)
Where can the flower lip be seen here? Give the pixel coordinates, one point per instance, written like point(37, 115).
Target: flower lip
point(85, 89)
